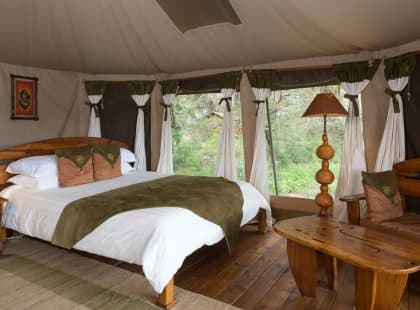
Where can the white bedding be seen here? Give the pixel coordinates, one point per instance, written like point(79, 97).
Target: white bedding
point(159, 239)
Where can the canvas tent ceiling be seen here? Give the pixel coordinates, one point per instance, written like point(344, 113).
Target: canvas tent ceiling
point(137, 36)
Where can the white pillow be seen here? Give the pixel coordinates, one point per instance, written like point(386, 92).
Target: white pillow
point(35, 184)
point(126, 167)
point(34, 166)
point(5, 193)
point(127, 156)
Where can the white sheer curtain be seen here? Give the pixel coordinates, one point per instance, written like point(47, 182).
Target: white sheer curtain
point(225, 161)
point(139, 144)
point(94, 121)
point(392, 147)
point(259, 173)
point(165, 165)
point(353, 160)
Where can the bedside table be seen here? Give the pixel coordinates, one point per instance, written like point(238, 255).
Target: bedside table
point(2, 229)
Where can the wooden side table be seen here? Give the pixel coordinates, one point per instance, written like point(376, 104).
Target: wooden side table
point(2, 229)
point(353, 207)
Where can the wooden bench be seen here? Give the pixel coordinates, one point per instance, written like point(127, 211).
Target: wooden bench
point(382, 260)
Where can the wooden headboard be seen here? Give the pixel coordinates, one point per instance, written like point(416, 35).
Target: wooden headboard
point(408, 173)
point(45, 147)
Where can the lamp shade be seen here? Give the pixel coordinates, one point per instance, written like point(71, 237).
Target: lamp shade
point(325, 104)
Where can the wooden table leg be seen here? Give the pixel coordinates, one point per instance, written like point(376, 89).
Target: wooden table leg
point(378, 290)
point(166, 298)
point(302, 261)
point(331, 270)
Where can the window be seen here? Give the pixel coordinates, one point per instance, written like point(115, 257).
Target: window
point(295, 140)
point(197, 124)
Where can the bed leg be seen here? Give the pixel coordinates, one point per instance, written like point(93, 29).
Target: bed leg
point(166, 298)
point(2, 239)
point(262, 221)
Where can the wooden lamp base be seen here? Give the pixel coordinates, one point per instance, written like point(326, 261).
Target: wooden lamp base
point(324, 176)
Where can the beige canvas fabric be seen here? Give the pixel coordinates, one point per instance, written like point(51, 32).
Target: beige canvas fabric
point(125, 36)
point(374, 112)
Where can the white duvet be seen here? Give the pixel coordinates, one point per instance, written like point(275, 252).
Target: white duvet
point(159, 239)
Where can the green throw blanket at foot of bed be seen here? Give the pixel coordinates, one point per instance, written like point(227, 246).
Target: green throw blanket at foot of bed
point(215, 199)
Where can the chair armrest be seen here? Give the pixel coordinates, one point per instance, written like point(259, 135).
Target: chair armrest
point(353, 207)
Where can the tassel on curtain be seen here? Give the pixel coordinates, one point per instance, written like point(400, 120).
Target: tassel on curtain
point(392, 148)
point(140, 92)
point(353, 77)
point(261, 82)
point(95, 91)
point(225, 160)
point(165, 165)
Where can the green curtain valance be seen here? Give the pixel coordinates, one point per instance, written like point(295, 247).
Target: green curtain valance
point(262, 78)
point(140, 87)
point(95, 87)
point(229, 80)
point(169, 86)
point(353, 72)
point(400, 66)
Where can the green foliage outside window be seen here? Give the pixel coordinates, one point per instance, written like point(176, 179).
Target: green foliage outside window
point(197, 123)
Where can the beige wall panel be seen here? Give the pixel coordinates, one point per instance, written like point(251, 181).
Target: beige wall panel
point(374, 108)
point(248, 110)
point(156, 125)
point(61, 107)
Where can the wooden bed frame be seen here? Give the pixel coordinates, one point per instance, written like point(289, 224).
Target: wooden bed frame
point(46, 147)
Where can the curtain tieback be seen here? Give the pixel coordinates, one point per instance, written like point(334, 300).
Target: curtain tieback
point(166, 107)
point(393, 94)
point(227, 100)
point(97, 107)
point(143, 107)
point(258, 102)
point(353, 99)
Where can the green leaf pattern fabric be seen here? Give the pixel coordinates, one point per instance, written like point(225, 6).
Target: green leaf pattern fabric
point(400, 66)
point(353, 72)
point(79, 156)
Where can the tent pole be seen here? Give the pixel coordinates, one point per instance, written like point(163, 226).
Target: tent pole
point(270, 143)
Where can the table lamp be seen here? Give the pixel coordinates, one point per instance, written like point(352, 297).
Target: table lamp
point(323, 105)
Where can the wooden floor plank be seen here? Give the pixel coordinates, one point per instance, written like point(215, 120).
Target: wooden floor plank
point(257, 276)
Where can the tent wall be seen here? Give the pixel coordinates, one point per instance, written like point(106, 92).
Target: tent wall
point(374, 112)
point(61, 108)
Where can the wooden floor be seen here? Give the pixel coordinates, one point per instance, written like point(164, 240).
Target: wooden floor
point(257, 276)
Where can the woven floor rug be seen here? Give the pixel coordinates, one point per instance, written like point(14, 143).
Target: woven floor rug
point(35, 275)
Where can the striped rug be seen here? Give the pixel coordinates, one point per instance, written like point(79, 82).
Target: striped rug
point(35, 275)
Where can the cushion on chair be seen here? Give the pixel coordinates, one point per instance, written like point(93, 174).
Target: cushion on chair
point(382, 197)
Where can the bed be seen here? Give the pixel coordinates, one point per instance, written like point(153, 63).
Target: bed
point(159, 239)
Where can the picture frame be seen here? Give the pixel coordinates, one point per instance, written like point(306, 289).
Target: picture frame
point(24, 97)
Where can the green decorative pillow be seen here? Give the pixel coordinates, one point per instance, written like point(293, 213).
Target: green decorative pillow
point(106, 161)
point(382, 196)
point(75, 166)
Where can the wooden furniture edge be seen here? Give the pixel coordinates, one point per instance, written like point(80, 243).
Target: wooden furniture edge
point(262, 221)
point(344, 256)
point(3, 233)
point(46, 147)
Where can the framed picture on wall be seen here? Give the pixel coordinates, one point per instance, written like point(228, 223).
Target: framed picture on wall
point(24, 97)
